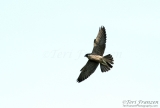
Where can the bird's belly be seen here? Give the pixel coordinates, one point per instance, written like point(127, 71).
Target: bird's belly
point(96, 58)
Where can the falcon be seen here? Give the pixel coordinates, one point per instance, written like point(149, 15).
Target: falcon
point(96, 57)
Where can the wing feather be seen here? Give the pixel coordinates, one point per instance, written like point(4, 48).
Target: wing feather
point(100, 42)
point(87, 70)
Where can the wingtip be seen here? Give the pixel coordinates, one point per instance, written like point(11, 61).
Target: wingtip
point(102, 27)
point(78, 81)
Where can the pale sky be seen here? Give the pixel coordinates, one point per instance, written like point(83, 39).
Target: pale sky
point(43, 43)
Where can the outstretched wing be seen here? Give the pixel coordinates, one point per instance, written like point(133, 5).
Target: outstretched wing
point(87, 70)
point(100, 42)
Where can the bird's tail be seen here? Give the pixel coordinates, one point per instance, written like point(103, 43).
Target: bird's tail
point(107, 63)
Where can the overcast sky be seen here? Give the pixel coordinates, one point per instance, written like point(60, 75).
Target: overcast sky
point(43, 43)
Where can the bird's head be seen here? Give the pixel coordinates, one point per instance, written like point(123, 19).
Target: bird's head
point(86, 55)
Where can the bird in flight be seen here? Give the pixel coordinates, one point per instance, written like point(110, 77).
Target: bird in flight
point(96, 57)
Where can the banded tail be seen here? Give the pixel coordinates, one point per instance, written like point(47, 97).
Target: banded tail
point(107, 63)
